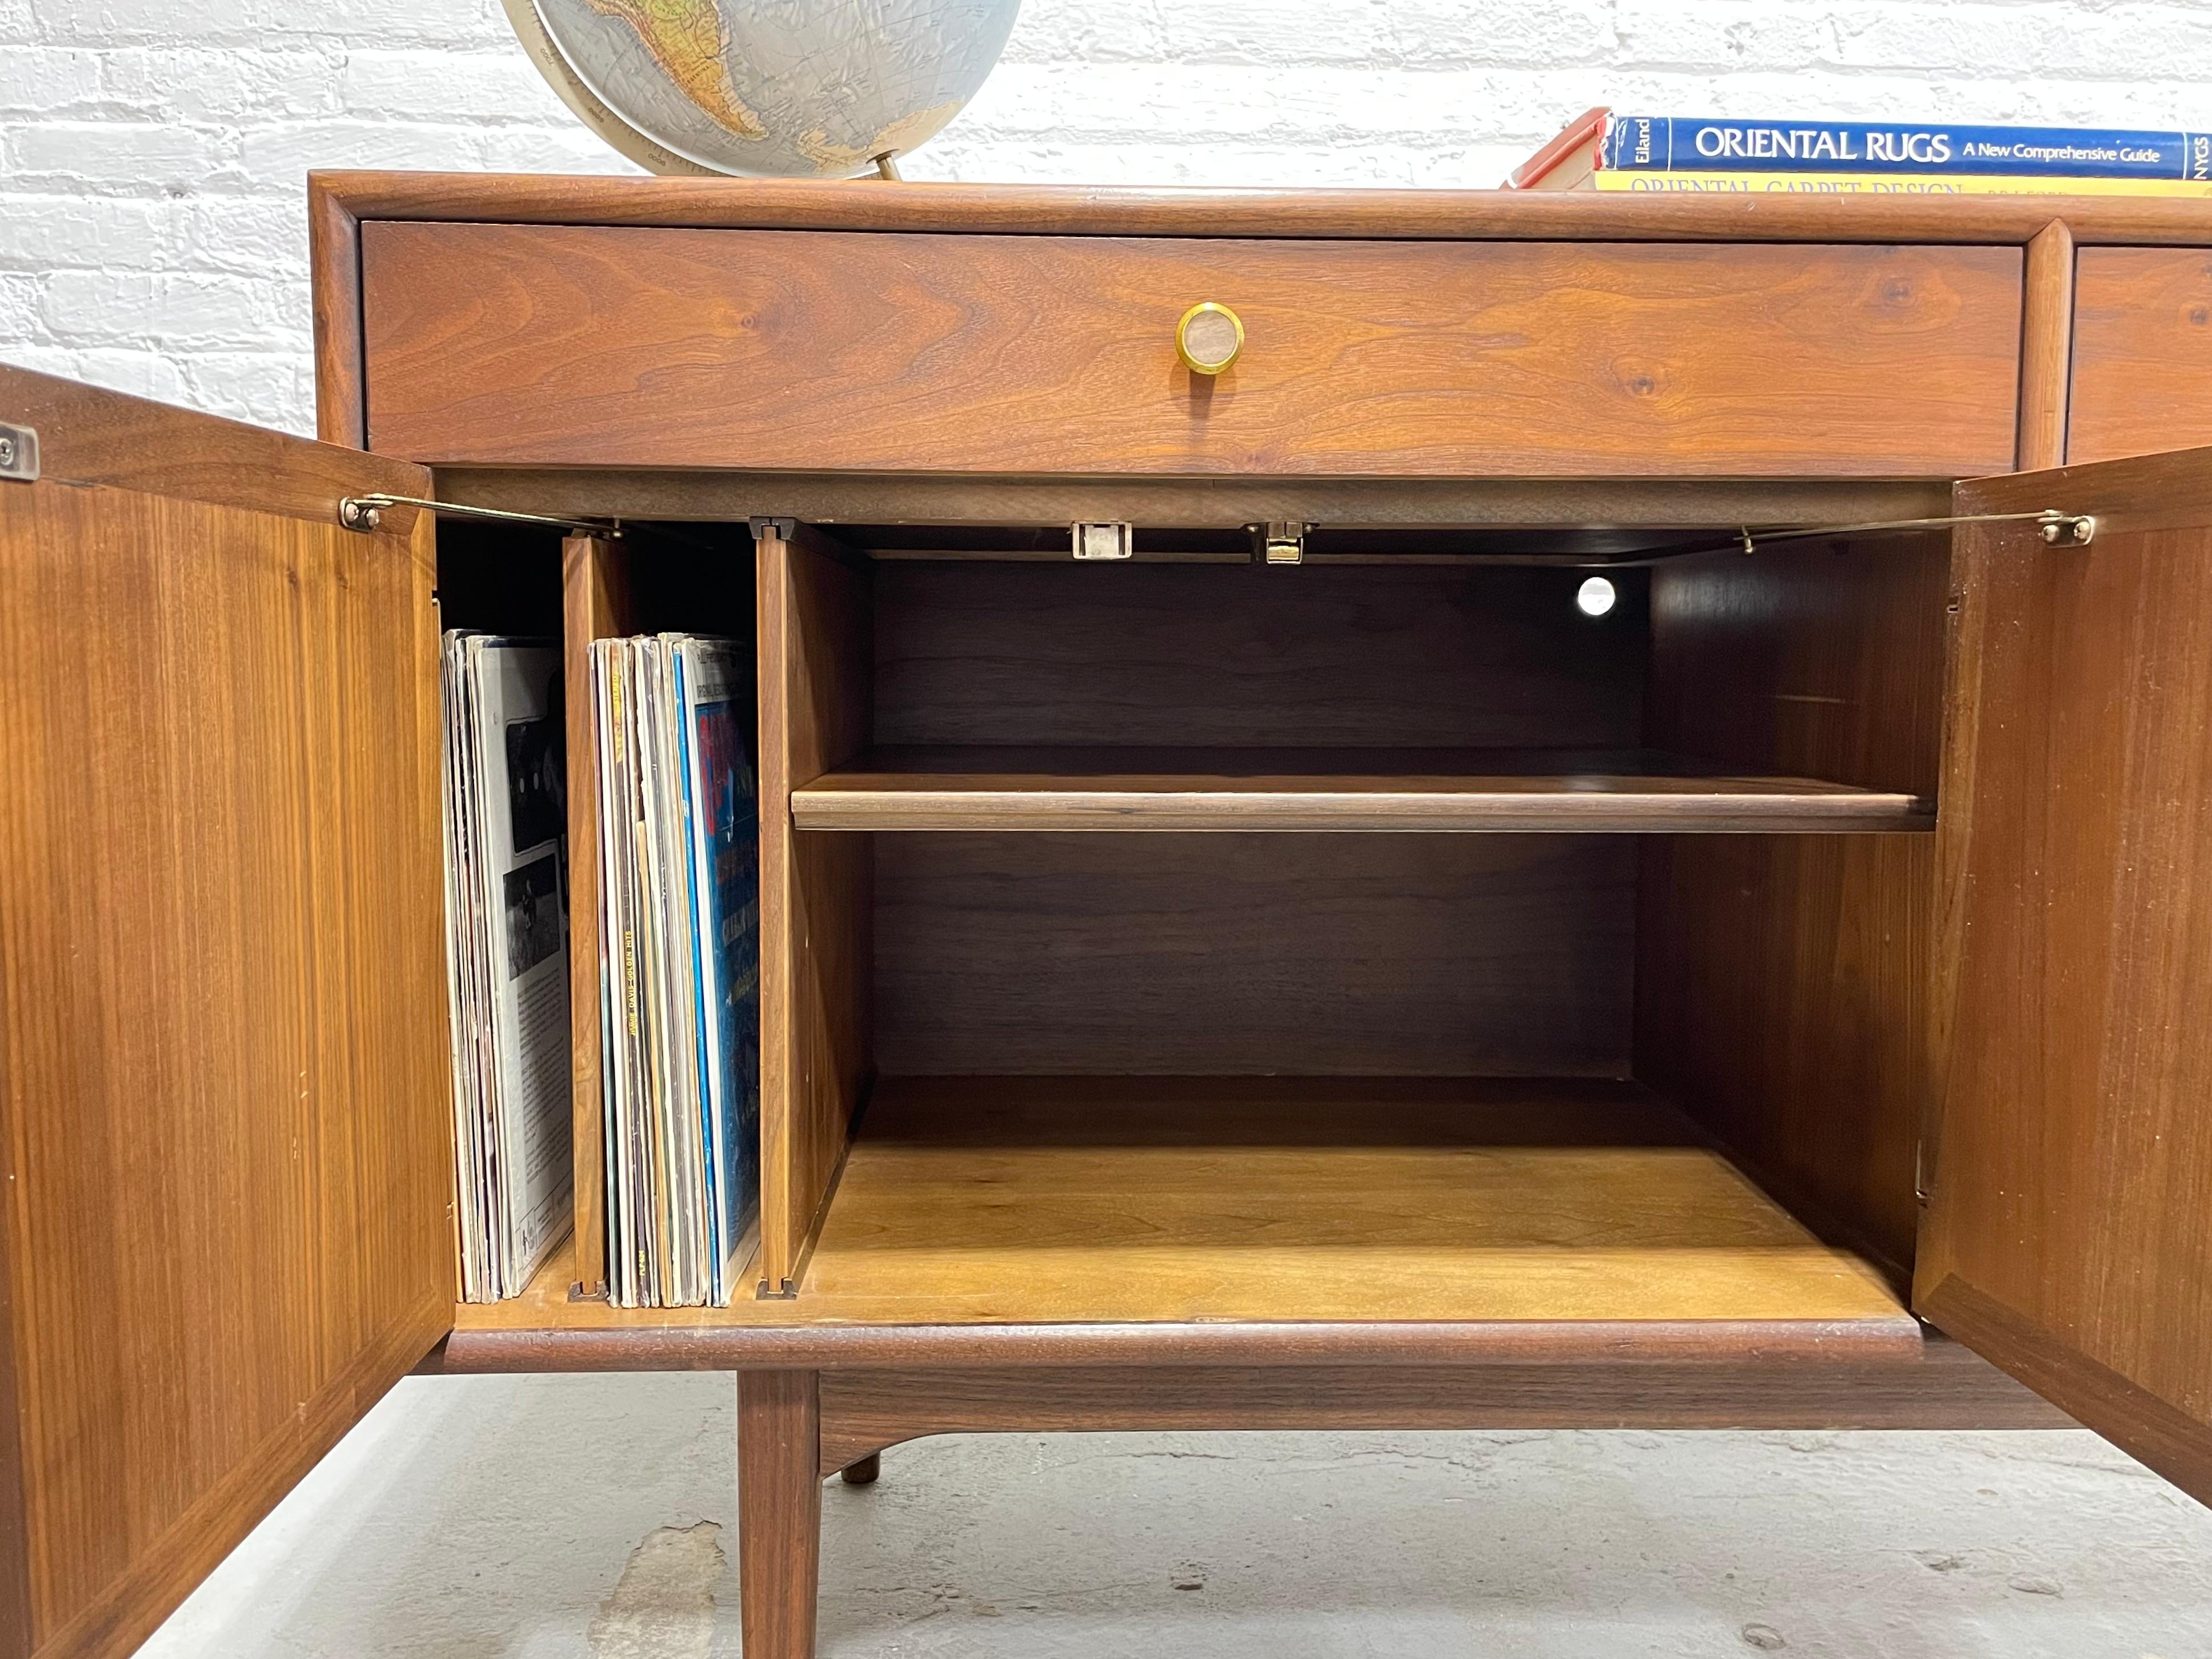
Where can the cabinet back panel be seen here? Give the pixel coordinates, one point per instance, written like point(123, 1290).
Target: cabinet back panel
point(501, 579)
point(1235, 654)
point(1328, 955)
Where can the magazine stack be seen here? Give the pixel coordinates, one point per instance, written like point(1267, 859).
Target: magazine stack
point(507, 947)
point(679, 862)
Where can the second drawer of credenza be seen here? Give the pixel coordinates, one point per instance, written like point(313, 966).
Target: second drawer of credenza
point(2143, 351)
point(812, 350)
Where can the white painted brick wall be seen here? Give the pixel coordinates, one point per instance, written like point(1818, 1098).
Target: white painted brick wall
point(153, 236)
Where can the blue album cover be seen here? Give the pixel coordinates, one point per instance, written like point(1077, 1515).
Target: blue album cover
point(722, 824)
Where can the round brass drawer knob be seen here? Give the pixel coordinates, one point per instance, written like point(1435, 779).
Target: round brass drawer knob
point(1208, 338)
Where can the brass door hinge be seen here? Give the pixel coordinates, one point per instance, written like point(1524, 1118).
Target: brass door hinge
point(18, 453)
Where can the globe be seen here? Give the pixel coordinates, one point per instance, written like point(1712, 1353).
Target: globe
point(766, 89)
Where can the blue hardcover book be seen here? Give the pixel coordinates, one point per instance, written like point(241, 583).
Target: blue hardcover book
point(722, 828)
point(1676, 143)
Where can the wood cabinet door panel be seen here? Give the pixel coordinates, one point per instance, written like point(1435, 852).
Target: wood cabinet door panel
point(2068, 1236)
point(812, 350)
point(224, 1068)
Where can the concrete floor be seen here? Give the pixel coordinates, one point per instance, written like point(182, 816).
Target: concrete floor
point(545, 1517)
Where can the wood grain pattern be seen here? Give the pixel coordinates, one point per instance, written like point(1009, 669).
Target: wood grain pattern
point(1406, 790)
point(1179, 210)
point(2047, 347)
point(866, 1411)
point(224, 1111)
point(1173, 655)
point(2067, 1237)
point(1820, 658)
point(89, 436)
point(1108, 1199)
point(1320, 955)
point(518, 345)
point(816, 890)
point(1242, 954)
point(2142, 352)
point(1214, 503)
point(334, 287)
point(18, 1635)
point(595, 605)
point(1782, 987)
point(778, 1512)
point(1796, 968)
point(1784, 983)
point(1235, 1221)
point(513, 1337)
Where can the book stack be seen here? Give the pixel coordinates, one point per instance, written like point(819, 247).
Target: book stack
point(680, 960)
point(1682, 154)
point(507, 954)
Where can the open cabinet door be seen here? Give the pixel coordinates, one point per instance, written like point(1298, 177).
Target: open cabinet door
point(223, 1065)
point(2068, 1232)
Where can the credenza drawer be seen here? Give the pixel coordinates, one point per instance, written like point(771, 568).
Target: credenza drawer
point(2142, 352)
point(818, 350)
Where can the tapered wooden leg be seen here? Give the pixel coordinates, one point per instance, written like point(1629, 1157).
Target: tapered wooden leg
point(864, 1473)
point(779, 1511)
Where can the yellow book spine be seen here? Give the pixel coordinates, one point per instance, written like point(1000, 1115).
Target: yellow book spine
point(1880, 184)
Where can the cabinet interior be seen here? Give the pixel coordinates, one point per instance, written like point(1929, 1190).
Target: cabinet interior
point(1427, 949)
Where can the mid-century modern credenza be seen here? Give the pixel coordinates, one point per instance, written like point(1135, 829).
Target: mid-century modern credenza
point(1291, 967)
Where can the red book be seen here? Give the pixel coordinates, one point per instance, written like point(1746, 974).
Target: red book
point(1569, 160)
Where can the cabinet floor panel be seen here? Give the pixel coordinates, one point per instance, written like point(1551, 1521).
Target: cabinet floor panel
point(1588, 1208)
point(1535, 790)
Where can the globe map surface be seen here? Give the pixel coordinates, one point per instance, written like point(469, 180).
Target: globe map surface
point(782, 87)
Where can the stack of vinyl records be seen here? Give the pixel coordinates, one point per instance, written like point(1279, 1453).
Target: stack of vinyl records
point(680, 943)
point(507, 950)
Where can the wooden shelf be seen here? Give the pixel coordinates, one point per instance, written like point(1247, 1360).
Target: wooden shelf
point(1332, 789)
point(1555, 1212)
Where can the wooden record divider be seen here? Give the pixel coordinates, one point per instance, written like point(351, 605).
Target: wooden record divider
point(816, 635)
point(596, 604)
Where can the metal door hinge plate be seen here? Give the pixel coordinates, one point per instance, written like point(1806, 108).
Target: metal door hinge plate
point(18, 453)
point(1102, 541)
point(1283, 541)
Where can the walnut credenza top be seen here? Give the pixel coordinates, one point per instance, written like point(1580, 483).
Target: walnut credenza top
point(1010, 331)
